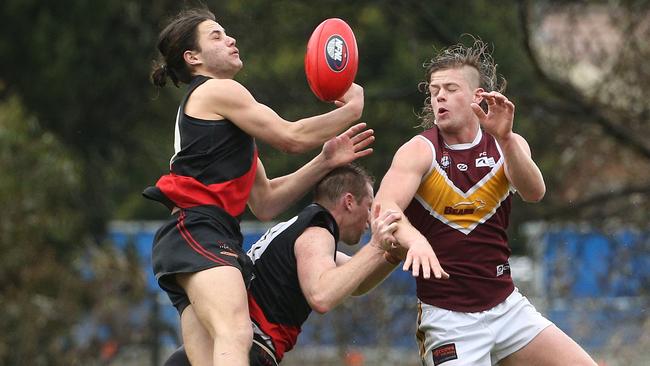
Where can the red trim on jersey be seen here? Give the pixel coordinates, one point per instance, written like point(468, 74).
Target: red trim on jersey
point(284, 337)
point(231, 195)
point(194, 244)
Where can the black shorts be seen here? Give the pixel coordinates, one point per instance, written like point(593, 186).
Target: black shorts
point(196, 239)
point(259, 356)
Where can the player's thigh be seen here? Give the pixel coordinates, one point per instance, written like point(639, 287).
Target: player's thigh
point(452, 339)
point(551, 347)
point(218, 298)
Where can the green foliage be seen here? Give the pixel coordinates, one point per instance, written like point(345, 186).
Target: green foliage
point(50, 270)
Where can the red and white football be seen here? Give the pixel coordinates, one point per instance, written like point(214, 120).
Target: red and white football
point(331, 60)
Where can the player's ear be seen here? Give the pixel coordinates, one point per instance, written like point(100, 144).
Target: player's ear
point(477, 95)
point(478, 99)
point(191, 58)
point(347, 200)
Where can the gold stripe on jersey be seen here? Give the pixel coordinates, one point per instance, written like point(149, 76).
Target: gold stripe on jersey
point(460, 210)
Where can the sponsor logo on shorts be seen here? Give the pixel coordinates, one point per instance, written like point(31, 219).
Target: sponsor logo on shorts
point(229, 253)
point(336, 53)
point(444, 353)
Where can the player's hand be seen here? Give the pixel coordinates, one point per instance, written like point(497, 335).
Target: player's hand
point(421, 254)
point(398, 251)
point(354, 94)
point(499, 118)
point(383, 226)
point(348, 146)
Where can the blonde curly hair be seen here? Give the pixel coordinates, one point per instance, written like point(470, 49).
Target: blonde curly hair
point(477, 56)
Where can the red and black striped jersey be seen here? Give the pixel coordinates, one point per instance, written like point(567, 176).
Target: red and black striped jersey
point(462, 207)
point(276, 303)
point(214, 163)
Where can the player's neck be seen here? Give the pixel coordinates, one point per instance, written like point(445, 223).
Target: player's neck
point(464, 135)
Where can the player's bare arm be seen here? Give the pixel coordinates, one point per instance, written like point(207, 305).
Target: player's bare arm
point(324, 284)
point(520, 169)
point(383, 227)
point(398, 187)
point(270, 197)
point(231, 100)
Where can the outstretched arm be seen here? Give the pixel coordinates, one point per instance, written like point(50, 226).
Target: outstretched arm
point(271, 197)
point(382, 235)
point(521, 170)
point(231, 100)
point(324, 284)
point(410, 164)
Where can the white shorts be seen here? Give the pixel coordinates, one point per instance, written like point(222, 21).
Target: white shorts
point(451, 338)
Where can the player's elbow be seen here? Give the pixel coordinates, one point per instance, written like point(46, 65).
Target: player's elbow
point(535, 196)
point(320, 304)
point(261, 212)
point(321, 309)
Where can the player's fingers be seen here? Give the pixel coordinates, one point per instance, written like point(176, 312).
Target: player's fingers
point(499, 98)
point(360, 154)
point(415, 268)
point(391, 229)
point(355, 129)
point(388, 214)
point(360, 135)
point(478, 111)
point(362, 144)
point(393, 217)
point(426, 268)
point(407, 261)
point(438, 271)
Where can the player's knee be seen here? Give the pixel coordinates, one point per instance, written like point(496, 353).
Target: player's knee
point(234, 328)
point(240, 337)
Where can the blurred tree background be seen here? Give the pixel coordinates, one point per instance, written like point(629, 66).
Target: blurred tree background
point(82, 130)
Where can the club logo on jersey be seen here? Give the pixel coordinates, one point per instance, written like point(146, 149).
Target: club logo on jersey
point(464, 208)
point(462, 167)
point(444, 353)
point(445, 161)
point(336, 53)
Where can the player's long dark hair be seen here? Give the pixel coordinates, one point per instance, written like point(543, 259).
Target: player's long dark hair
point(177, 37)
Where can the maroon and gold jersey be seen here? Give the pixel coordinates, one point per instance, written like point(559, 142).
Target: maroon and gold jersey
point(462, 207)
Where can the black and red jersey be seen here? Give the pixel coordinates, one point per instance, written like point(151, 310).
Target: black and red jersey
point(276, 303)
point(214, 163)
point(462, 207)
